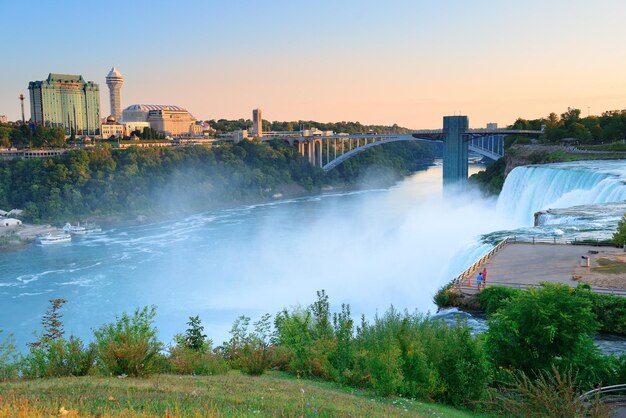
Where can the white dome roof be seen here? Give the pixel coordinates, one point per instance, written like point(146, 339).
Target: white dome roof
point(114, 73)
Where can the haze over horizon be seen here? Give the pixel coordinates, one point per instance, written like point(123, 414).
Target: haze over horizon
point(405, 62)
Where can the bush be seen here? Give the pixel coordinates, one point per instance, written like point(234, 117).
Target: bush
point(551, 394)
point(493, 298)
point(539, 325)
point(249, 351)
point(59, 357)
point(54, 356)
point(319, 347)
point(9, 358)
point(619, 237)
point(610, 310)
point(188, 361)
point(415, 356)
point(129, 345)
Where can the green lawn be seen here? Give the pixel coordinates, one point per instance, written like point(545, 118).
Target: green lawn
point(234, 394)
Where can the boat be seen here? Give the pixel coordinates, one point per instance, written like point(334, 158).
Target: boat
point(91, 227)
point(49, 239)
point(79, 229)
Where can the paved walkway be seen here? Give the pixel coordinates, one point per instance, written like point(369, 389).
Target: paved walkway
point(520, 265)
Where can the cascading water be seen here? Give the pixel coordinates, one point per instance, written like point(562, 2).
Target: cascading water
point(529, 189)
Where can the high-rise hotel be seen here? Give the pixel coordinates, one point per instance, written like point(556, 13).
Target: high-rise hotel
point(66, 101)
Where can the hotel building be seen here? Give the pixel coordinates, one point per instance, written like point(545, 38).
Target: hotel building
point(66, 101)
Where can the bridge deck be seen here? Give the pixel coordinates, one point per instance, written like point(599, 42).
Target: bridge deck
point(521, 265)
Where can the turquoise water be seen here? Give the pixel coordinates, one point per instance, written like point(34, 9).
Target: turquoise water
point(368, 248)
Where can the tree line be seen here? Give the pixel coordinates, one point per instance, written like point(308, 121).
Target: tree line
point(102, 181)
point(224, 125)
point(610, 126)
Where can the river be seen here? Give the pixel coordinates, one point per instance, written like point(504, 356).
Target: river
point(369, 248)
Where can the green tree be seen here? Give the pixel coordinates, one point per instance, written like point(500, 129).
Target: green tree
point(538, 326)
point(619, 237)
point(194, 338)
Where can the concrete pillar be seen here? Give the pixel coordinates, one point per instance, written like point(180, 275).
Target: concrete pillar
point(455, 151)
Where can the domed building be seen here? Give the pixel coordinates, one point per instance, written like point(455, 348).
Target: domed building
point(111, 129)
point(168, 119)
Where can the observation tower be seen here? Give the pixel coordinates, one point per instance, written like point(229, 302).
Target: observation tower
point(115, 81)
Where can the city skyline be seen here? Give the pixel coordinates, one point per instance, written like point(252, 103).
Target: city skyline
point(403, 62)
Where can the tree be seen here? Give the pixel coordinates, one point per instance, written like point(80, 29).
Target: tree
point(540, 325)
point(52, 325)
point(619, 237)
point(194, 338)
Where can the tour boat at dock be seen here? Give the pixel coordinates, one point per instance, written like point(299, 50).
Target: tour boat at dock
point(79, 229)
point(49, 239)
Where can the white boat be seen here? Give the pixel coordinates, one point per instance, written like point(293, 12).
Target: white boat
point(49, 239)
point(74, 229)
point(91, 227)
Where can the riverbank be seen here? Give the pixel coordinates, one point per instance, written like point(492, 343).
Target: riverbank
point(16, 237)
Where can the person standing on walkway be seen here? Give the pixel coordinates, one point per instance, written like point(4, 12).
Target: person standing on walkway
point(484, 277)
point(479, 279)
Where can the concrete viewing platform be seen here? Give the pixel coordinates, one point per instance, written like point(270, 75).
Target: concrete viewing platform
point(522, 265)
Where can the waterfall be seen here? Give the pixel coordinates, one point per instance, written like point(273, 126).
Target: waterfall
point(529, 189)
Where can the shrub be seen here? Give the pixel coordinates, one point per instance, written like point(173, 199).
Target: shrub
point(457, 359)
point(293, 330)
point(59, 357)
point(185, 360)
point(551, 394)
point(619, 237)
point(415, 356)
point(382, 355)
point(610, 310)
point(129, 345)
point(249, 351)
point(9, 358)
point(493, 298)
point(52, 355)
point(539, 325)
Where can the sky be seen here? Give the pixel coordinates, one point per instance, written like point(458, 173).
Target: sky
point(409, 62)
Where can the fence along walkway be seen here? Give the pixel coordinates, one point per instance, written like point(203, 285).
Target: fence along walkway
point(466, 281)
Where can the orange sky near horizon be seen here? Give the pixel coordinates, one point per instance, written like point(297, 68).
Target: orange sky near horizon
point(406, 62)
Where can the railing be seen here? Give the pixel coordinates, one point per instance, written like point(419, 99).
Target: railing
point(595, 289)
point(471, 269)
point(560, 241)
point(604, 391)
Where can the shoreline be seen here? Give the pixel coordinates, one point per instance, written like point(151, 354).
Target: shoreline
point(27, 233)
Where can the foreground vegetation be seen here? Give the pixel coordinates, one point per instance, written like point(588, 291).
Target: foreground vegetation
point(232, 394)
point(539, 341)
point(153, 181)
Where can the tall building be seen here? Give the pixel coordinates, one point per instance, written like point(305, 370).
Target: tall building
point(66, 101)
point(115, 81)
point(257, 123)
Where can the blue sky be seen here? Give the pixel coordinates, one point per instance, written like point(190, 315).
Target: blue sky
point(409, 62)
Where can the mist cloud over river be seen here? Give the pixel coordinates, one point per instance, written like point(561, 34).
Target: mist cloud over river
point(369, 248)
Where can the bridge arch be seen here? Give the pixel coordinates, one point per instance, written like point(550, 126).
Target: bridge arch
point(340, 159)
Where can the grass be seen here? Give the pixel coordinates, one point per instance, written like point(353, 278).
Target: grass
point(274, 394)
point(609, 266)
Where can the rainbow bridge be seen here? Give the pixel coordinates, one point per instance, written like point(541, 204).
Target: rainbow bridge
point(327, 152)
